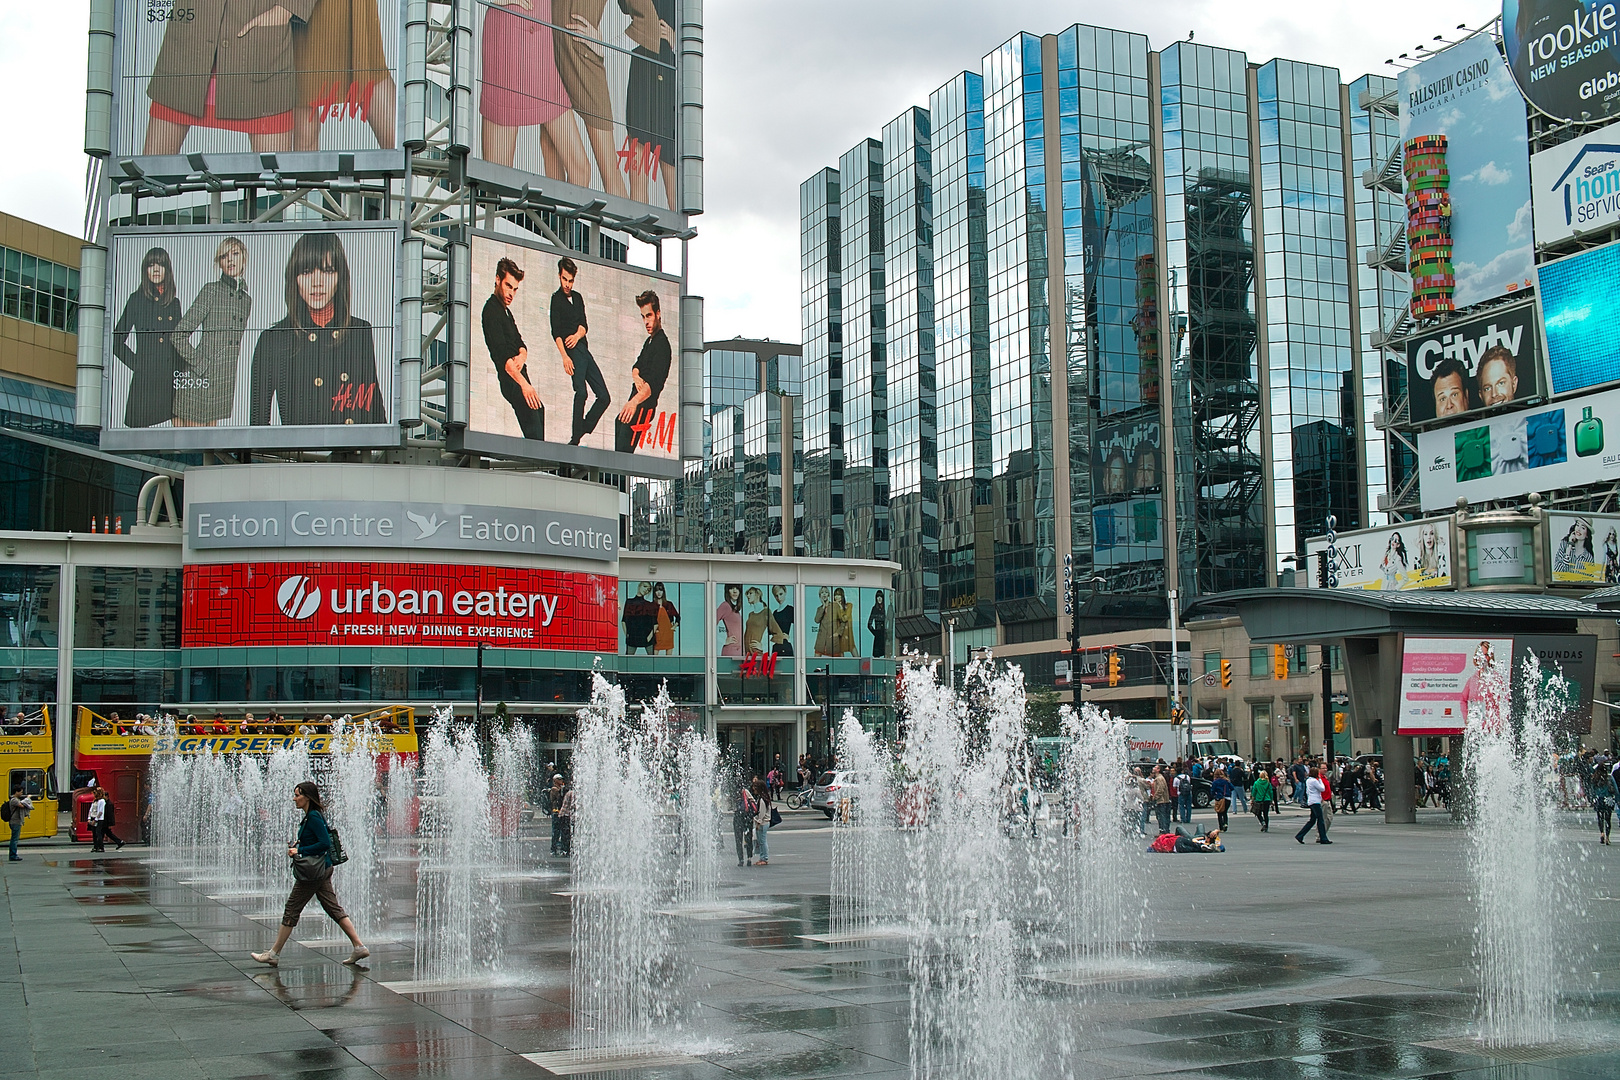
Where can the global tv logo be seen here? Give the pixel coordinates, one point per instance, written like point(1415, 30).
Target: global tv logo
point(298, 597)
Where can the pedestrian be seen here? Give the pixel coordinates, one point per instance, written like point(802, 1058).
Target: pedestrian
point(311, 856)
point(742, 825)
point(94, 816)
point(1604, 795)
point(556, 796)
point(566, 815)
point(1220, 794)
point(18, 807)
point(1264, 795)
point(109, 818)
point(1144, 799)
point(1240, 784)
point(1161, 799)
point(762, 821)
point(1184, 794)
point(1300, 774)
point(1314, 787)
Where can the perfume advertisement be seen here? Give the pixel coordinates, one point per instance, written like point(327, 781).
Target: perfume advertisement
point(1575, 441)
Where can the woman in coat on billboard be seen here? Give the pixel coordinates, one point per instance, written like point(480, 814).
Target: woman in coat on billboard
point(229, 68)
point(207, 394)
point(152, 314)
point(342, 72)
point(649, 99)
point(669, 620)
point(317, 365)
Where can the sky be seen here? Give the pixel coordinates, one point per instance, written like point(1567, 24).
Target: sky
point(788, 87)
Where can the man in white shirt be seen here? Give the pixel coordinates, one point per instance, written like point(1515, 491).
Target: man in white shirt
point(97, 814)
point(1314, 787)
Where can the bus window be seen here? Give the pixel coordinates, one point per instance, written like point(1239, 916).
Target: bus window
point(32, 782)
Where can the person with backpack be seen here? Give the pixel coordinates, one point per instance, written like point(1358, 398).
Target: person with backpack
point(312, 859)
point(17, 808)
point(742, 825)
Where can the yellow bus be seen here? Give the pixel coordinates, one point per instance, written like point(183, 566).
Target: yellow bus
point(25, 761)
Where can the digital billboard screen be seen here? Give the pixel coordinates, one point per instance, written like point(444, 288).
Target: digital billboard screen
point(577, 365)
point(252, 337)
point(1444, 679)
point(1578, 295)
point(1470, 364)
point(1564, 55)
point(1583, 549)
point(579, 98)
point(247, 77)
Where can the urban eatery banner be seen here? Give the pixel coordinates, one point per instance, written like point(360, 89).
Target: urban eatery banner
point(1577, 186)
point(303, 603)
point(1578, 295)
point(233, 80)
point(1470, 364)
point(1416, 555)
point(1583, 549)
point(1576, 441)
point(586, 373)
point(1444, 678)
point(1481, 163)
point(579, 98)
point(247, 337)
point(1565, 56)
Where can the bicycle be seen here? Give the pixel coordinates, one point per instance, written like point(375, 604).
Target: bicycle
point(798, 799)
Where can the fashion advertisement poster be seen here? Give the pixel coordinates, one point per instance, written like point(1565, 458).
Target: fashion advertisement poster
point(849, 621)
point(1398, 559)
point(251, 337)
point(1446, 680)
point(256, 77)
point(571, 352)
point(1469, 364)
point(1584, 549)
point(661, 618)
point(752, 619)
point(579, 92)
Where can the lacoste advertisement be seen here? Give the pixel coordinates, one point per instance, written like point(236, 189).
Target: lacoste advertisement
point(1565, 56)
point(1127, 532)
point(1416, 555)
point(1578, 295)
point(1466, 96)
point(1473, 364)
point(1501, 457)
point(302, 603)
point(1577, 186)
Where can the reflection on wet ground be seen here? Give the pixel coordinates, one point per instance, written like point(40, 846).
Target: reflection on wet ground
point(767, 992)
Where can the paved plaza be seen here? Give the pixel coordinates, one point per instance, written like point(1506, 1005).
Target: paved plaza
point(1270, 961)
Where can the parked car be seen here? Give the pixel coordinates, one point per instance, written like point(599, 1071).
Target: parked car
point(830, 788)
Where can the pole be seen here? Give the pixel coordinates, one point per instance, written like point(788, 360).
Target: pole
point(1175, 675)
point(950, 654)
point(1327, 707)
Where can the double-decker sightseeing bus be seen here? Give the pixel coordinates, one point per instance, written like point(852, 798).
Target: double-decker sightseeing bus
point(25, 761)
point(118, 750)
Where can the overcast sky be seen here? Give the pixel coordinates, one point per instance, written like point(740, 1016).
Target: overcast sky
point(788, 88)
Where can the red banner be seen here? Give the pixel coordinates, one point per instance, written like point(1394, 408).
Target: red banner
point(241, 604)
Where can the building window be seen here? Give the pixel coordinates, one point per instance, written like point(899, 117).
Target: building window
point(1260, 729)
point(1260, 663)
point(1212, 662)
point(39, 291)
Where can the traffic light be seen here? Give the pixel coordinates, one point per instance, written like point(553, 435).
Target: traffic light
point(1178, 715)
point(1338, 723)
point(1279, 661)
point(1115, 673)
point(1226, 673)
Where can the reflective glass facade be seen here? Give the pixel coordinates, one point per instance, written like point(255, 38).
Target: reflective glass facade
point(865, 317)
point(821, 309)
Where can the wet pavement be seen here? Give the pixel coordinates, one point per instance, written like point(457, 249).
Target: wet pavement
point(1271, 961)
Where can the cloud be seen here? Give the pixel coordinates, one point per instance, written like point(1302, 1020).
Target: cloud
point(1489, 173)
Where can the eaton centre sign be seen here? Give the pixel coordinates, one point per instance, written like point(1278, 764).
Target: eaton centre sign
point(431, 526)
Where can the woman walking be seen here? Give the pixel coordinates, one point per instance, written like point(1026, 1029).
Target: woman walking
point(762, 821)
point(1220, 794)
point(1263, 794)
point(312, 854)
point(1604, 795)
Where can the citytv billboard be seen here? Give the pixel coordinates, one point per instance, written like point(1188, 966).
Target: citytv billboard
point(326, 603)
point(1466, 94)
point(1470, 364)
point(579, 99)
point(252, 337)
point(1577, 186)
point(1575, 441)
point(1580, 300)
point(546, 386)
point(233, 79)
point(1565, 56)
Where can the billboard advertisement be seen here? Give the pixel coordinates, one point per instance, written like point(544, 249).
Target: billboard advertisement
point(1127, 532)
point(1443, 679)
point(233, 80)
point(1577, 186)
point(1467, 175)
point(849, 622)
point(1416, 555)
point(1583, 335)
point(651, 622)
point(752, 619)
point(1126, 458)
point(304, 603)
point(1568, 675)
point(1501, 457)
point(1565, 56)
point(251, 337)
point(574, 360)
point(1478, 363)
point(1583, 549)
point(579, 97)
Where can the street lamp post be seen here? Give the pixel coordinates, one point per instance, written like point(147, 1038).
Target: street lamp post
point(478, 702)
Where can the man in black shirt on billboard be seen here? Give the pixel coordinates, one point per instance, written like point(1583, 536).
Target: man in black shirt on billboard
point(636, 425)
point(568, 329)
point(510, 355)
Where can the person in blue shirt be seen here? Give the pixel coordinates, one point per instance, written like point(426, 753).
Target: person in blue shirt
point(1220, 796)
point(314, 839)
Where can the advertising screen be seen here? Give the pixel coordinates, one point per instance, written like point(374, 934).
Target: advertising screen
point(233, 80)
point(1477, 363)
point(661, 618)
point(1416, 555)
point(1567, 675)
point(303, 603)
point(1127, 532)
point(579, 98)
point(251, 337)
point(1564, 445)
point(1583, 549)
point(1445, 679)
point(1477, 164)
point(1577, 186)
point(1583, 335)
point(1565, 55)
point(586, 371)
point(849, 622)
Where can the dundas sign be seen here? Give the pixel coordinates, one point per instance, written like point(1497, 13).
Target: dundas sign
point(441, 526)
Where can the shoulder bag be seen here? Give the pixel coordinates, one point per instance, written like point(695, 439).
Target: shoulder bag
point(310, 868)
point(776, 817)
point(339, 856)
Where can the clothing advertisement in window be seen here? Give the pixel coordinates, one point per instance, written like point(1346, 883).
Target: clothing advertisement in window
point(650, 618)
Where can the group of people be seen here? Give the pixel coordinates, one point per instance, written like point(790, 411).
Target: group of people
point(1595, 776)
point(274, 723)
point(752, 815)
point(24, 723)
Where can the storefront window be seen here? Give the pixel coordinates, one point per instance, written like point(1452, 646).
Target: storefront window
point(755, 619)
point(119, 607)
point(28, 605)
point(851, 622)
point(661, 618)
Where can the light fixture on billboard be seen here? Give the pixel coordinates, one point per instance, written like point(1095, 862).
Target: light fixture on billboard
point(197, 162)
point(134, 170)
point(268, 163)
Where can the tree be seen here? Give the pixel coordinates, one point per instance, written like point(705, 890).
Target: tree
point(1041, 706)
